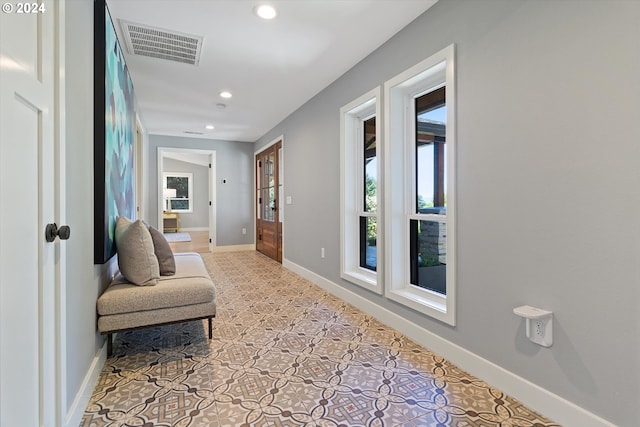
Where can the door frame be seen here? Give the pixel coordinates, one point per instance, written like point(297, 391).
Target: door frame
point(162, 151)
point(61, 399)
point(52, 369)
point(281, 197)
point(138, 153)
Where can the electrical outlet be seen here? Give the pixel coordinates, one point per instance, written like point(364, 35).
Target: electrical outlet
point(539, 324)
point(538, 328)
point(540, 331)
point(321, 252)
point(244, 231)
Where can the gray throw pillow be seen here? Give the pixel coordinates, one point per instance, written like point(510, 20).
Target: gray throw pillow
point(136, 257)
point(166, 260)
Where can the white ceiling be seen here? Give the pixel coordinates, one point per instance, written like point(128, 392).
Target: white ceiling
point(270, 67)
point(188, 156)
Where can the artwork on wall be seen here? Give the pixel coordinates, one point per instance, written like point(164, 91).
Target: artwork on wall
point(114, 132)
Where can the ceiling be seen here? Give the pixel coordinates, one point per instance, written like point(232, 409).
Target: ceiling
point(270, 67)
point(188, 156)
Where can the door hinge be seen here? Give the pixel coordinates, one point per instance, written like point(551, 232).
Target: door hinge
point(260, 200)
point(209, 203)
point(210, 241)
point(259, 163)
point(209, 165)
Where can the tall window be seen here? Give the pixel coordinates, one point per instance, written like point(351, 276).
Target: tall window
point(360, 237)
point(368, 216)
point(420, 187)
point(427, 226)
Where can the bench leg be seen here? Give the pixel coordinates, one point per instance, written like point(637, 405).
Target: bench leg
point(210, 327)
point(109, 345)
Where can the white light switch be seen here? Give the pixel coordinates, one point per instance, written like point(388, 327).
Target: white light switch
point(289, 201)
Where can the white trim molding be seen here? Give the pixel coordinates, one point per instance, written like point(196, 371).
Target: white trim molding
point(400, 172)
point(161, 154)
point(79, 405)
point(352, 118)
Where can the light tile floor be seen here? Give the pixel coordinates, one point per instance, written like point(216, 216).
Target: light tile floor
point(287, 353)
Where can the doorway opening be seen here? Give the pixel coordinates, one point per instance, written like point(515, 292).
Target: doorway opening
point(200, 213)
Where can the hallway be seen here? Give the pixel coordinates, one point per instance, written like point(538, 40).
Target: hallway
point(286, 353)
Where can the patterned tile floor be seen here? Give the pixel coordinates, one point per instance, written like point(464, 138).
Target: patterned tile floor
point(287, 353)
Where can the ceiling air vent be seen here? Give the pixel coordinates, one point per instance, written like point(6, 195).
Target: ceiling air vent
point(160, 43)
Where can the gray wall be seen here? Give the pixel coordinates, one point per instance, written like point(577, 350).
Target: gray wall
point(234, 199)
point(199, 218)
point(548, 186)
point(85, 281)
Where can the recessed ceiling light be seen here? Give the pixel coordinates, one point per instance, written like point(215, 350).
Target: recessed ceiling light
point(210, 127)
point(226, 94)
point(265, 11)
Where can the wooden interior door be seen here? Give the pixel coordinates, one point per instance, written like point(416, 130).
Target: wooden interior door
point(268, 219)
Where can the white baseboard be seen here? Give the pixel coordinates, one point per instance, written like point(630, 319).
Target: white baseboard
point(76, 411)
point(537, 398)
point(235, 248)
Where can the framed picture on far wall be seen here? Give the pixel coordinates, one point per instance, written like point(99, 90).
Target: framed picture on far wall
point(114, 133)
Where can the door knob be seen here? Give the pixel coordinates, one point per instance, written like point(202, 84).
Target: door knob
point(52, 231)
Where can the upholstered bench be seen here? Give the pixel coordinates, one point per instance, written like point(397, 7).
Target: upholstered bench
point(188, 295)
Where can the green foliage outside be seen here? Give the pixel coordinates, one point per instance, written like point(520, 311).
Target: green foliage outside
point(428, 260)
point(371, 204)
point(422, 204)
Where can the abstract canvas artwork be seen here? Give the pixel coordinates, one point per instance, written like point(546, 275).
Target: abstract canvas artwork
point(114, 132)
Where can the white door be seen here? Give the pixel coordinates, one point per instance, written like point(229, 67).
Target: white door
point(27, 204)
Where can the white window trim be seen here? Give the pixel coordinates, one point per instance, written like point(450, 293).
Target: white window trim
point(352, 116)
point(190, 198)
point(399, 183)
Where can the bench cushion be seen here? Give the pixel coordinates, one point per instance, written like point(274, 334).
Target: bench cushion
point(190, 285)
point(124, 321)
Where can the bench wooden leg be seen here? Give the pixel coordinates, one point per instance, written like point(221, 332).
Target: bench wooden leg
point(210, 327)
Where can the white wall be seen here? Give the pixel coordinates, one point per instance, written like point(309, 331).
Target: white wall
point(234, 198)
point(85, 281)
point(548, 186)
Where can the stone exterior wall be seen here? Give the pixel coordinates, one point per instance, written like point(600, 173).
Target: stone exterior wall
point(433, 241)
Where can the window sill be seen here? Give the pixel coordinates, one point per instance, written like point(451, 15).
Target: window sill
point(365, 279)
point(424, 302)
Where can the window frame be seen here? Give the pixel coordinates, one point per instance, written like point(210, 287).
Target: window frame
point(189, 176)
point(352, 170)
point(400, 93)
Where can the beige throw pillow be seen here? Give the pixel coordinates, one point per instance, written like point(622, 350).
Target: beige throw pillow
point(166, 260)
point(136, 256)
